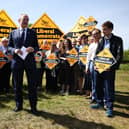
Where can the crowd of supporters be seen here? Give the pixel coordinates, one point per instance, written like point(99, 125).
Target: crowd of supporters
point(80, 78)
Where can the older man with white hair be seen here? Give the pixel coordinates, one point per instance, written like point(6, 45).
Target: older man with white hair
point(24, 42)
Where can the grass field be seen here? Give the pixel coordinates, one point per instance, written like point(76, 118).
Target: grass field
point(67, 112)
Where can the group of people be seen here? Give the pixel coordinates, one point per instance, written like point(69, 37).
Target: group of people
point(63, 78)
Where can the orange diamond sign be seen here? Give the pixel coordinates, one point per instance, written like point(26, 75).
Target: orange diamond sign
point(51, 61)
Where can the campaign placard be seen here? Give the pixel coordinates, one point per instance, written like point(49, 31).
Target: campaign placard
point(44, 48)
point(6, 24)
point(83, 54)
point(51, 61)
point(38, 56)
point(72, 56)
point(46, 29)
point(104, 60)
point(3, 59)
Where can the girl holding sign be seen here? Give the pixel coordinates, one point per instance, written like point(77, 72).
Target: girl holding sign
point(65, 69)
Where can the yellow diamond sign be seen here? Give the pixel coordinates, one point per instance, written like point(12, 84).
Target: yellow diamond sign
point(5, 20)
point(6, 24)
point(72, 56)
point(51, 61)
point(79, 26)
point(104, 60)
point(83, 54)
point(46, 29)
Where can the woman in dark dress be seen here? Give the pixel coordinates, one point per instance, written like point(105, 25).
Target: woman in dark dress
point(65, 77)
point(51, 74)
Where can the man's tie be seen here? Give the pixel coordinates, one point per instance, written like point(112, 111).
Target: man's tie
point(22, 37)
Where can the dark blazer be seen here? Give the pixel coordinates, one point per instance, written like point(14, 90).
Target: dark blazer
point(15, 43)
point(116, 48)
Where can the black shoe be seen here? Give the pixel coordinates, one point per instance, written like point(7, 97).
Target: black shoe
point(93, 101)
point(34, 111)
point(88, 97)
point(17, 109)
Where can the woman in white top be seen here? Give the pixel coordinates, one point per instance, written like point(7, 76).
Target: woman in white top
point(96, 33)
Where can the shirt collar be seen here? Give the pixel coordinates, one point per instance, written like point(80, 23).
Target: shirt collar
point(108, 38)
point(22, 29)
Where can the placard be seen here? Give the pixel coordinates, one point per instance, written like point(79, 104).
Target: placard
point(51, 61)
point(83, 54)
point(3, 59)
point(104, 60)
point(38, 56)
point(72, 56)
point(6, 24)
point(46, 29)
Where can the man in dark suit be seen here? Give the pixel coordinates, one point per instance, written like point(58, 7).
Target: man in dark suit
point(18, 38)
point(105, 86)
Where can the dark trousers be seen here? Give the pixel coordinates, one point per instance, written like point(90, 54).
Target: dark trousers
point(105, 88)
point(40, 72)
point(74, 78)
point(5, 73)
point(18, 82)
point(51, 81)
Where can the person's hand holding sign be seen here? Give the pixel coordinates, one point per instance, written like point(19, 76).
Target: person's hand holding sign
point(95, 68)
point(87, 70)
point(108, 69)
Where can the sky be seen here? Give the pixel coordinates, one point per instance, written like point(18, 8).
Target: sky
point(65, 13)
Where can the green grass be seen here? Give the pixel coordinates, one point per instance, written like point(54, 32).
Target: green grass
point(124, 66)
point(67, 112)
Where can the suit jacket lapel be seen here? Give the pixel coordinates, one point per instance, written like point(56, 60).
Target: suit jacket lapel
point(19, 37)
point(18, 33)
point(111, 43)
point(27, 36)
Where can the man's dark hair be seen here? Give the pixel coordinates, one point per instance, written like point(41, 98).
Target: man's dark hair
point(108, 24)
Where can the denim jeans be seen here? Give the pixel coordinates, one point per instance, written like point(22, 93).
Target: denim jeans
point(93, 80)
point(105, 88)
